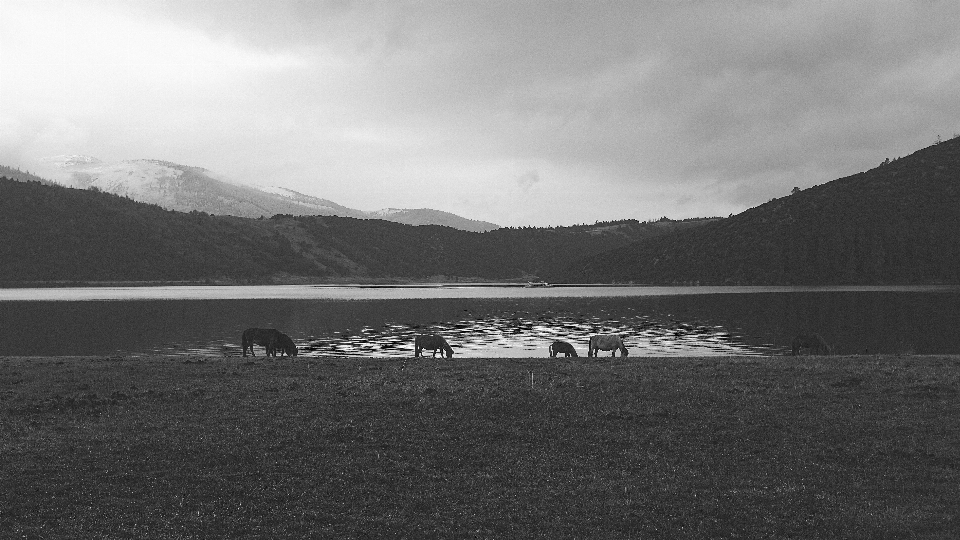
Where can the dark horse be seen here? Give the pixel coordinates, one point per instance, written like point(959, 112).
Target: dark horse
point(558, 347)
point(814, 342)
point(431, 342)
point(268, 338)
point(606, 342)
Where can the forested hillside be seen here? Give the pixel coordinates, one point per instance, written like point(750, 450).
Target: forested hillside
point(53, 233)
point(896, 224)
point(23, 176)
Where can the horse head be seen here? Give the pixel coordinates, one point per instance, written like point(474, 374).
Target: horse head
point(286, 344)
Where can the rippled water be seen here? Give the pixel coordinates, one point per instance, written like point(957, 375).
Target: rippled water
point(528, 334)
point(478, 322)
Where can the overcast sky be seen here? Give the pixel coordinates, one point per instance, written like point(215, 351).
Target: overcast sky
point(520, 113)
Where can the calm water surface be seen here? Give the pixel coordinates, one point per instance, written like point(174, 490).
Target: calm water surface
point(478, 321)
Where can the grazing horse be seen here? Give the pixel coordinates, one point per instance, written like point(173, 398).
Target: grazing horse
point(606, 342)
point(558, 347)
point(814, 342)
point(431, 342)
point(286, 345)
point(265, 337)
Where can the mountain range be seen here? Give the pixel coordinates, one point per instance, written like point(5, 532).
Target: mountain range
point(184, 188)
point(898, 223)
point(60, 234)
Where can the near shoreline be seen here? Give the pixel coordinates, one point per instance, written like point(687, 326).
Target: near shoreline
point(216, 447)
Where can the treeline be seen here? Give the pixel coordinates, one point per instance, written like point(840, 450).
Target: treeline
point(896, 224)
point(376, 248)
point(62, 234)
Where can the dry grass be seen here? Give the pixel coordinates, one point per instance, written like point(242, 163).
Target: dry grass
point(842, 447)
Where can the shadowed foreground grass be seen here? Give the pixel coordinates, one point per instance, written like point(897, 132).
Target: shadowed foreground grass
point(841, 447)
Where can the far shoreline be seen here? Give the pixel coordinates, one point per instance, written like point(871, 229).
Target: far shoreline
point(445, 282)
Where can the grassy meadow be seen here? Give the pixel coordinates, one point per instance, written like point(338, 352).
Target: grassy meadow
point(226, 447)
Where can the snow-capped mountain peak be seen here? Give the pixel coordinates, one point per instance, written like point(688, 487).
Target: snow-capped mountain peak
point(72, 160)
point(387, 211)
point(185, 188)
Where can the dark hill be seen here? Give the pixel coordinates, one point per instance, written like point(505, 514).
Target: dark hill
point(53, 233)
point(896, 224)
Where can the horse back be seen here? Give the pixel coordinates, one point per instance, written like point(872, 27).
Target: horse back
point(261, 336)
point(606, 342)
point(429, 341)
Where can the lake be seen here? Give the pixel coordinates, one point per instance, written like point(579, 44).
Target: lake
point(479, 321)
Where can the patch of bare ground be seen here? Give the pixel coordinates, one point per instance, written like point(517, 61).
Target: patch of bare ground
point(161, 447)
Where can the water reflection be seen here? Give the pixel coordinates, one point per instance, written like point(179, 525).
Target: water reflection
point(526, 334)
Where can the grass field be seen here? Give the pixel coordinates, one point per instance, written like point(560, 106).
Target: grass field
point(828, 447)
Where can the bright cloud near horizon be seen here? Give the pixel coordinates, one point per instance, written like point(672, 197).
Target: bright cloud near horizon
point(541, 112)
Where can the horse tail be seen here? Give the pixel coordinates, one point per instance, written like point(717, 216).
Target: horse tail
point(245, 342)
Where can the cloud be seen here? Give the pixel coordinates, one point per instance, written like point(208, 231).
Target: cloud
point(528, 179)
point(130, 81)
point(503, 111)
